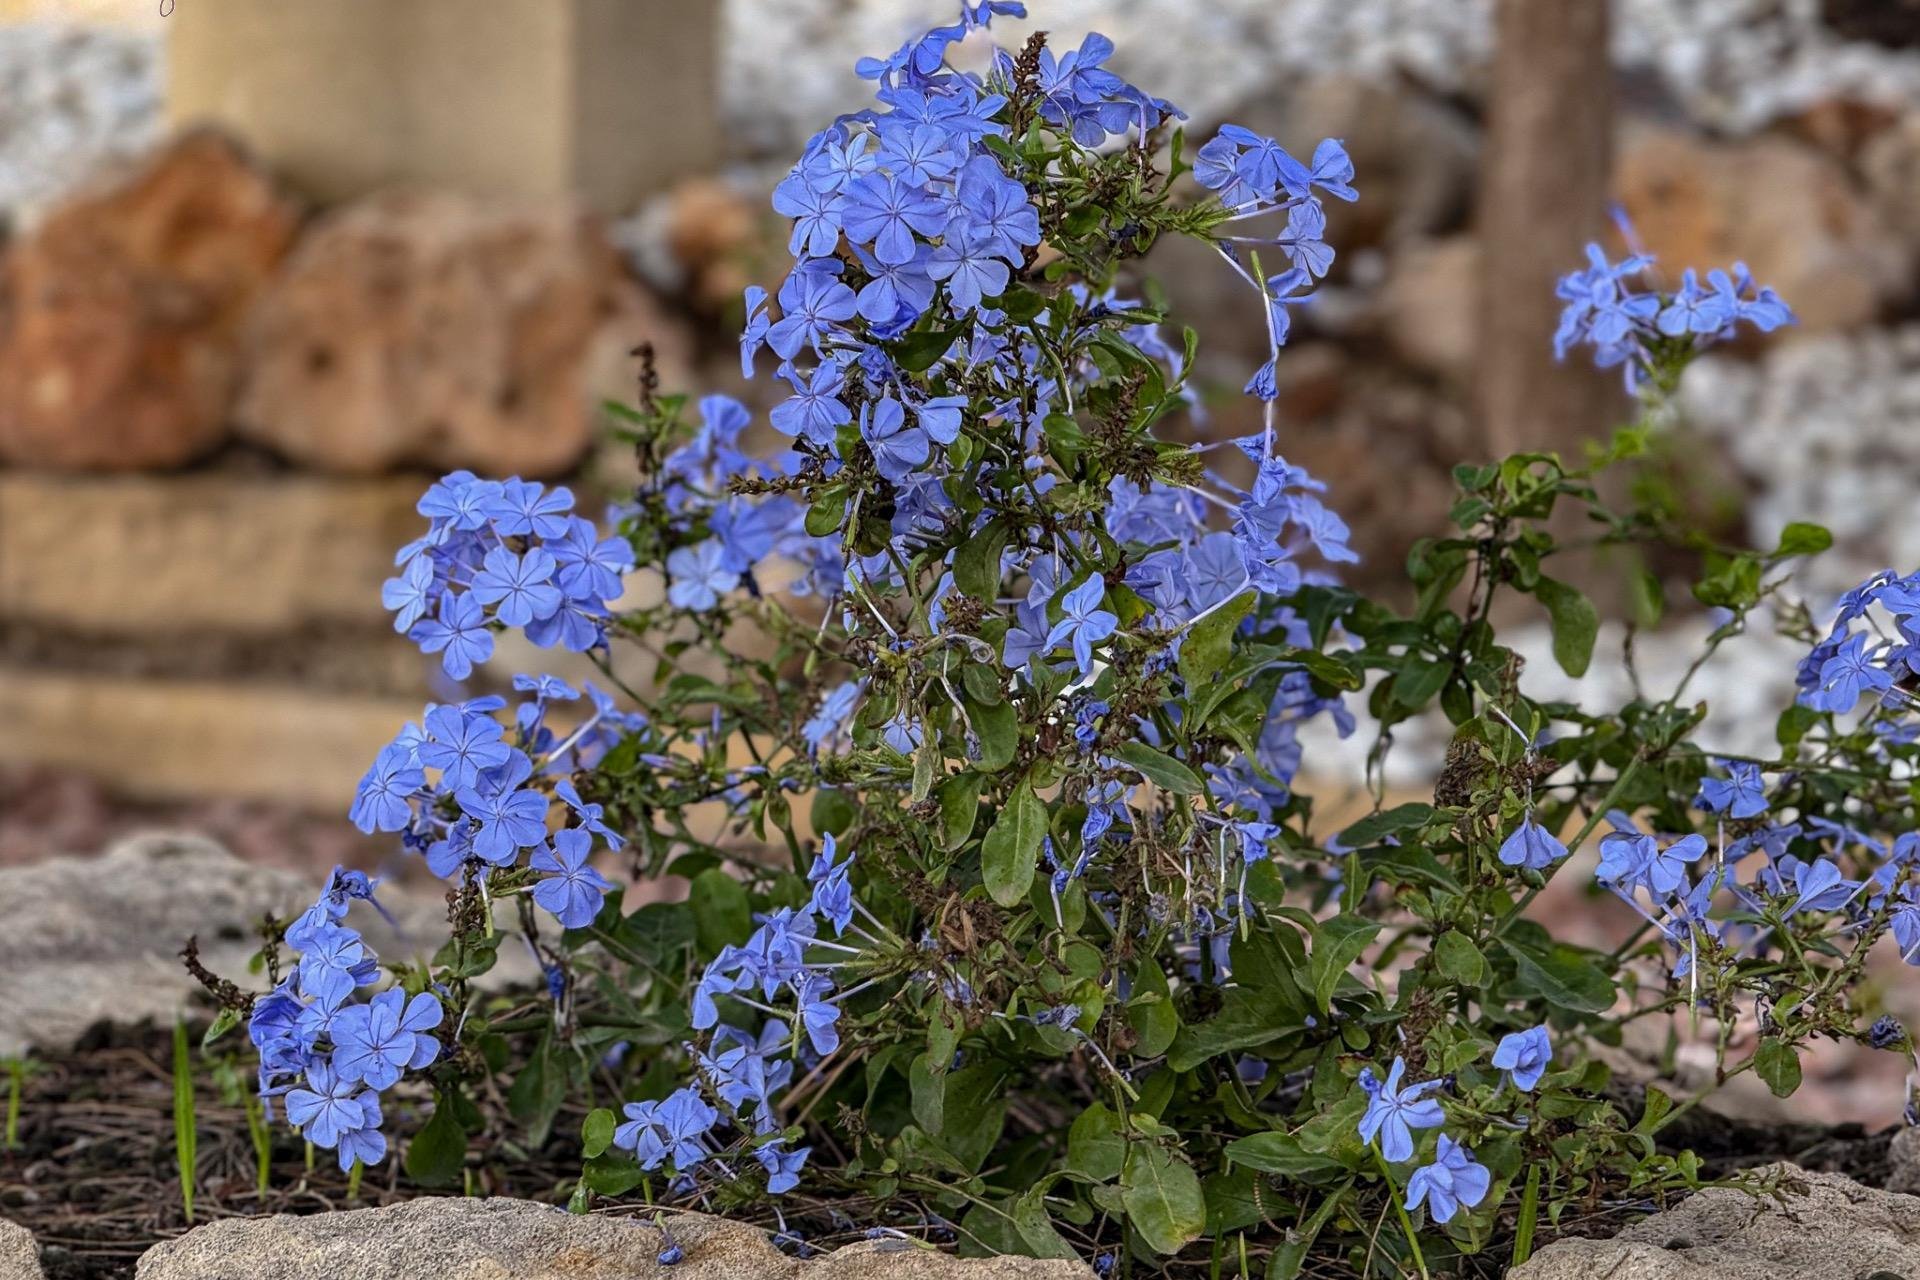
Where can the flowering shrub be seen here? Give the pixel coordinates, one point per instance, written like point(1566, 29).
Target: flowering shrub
point(971, 721)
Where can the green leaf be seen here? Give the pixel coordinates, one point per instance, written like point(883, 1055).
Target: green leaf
point(828, 512)
point(596, 1132)
point(1011, 850)
point(927, 1089)
point(1095, 1147)
point(1279, 1153)
point(1151, 1013)
point(612, 1174)
point(1458, 959)
point(1802, 539)
point(998, 728)
point(1776, 1063)
point(918, 352)
point(1247, 1018)
point(1159, 768)
point(223, 1022)
point(1575, 624)
point(1561, 976)
point(959, 805)
point(1031, 1220)
point(1208, 641)
point(439, 1150)
point(1337, 943)
point(722, 915)
point(976, 565)
point(1392, 822)
point(1419, 680)
point(1163, 1199)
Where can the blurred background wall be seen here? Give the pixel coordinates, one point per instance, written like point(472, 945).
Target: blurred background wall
point(269, 264)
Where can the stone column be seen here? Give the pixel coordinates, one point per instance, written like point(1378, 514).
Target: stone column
point(1542, 197)
point(610, 100)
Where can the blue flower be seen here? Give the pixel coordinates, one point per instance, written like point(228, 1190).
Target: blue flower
point(1532, 846)
point(996, 210)
point(526, 509)
point(1845, 676)
point(818, 1014)
point(330, 960)
point(1026, 636)
point(573, 891)
point(885, 212)
point(700, 575)
point(815, 211)
point(328, 1107)
point(814, 304)
point(510, 819)
point(970, 264)
point(1744, 795)
point(375, 1042)
point(782, 1166)
point(1083, 621)
point(1667, 868)
point(520, 587)
point(381, 801)
point(411, 594)
point(460, 630)
point(591, 567)
point(897, 447)
point(1452, 1182)
point(1524, 1056)
point(831, 716)
point(462, 746)
point(1393, 1112)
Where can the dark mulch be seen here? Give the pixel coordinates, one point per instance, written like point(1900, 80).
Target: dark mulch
point(95, 1176)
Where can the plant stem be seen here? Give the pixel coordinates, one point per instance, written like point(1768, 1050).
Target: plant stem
point(1406, 1219)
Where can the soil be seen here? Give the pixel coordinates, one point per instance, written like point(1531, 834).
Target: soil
point(94, 1175)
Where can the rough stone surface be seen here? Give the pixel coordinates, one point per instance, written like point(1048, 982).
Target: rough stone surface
point(1836, 1229)
point(463, 1239)
point(1822, 429)
point(1789, 211)
point(119, 316)
point(216, 550)
point(19, 1255)
point(1734, 65)
point(1903, 1161)
point(440, 330)
point(89, 940)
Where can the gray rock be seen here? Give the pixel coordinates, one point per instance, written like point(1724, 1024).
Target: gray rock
point(458, 1239)
point(19, 1255)
point(97, 939)
point(1827, 1225)
point(1903, 1162)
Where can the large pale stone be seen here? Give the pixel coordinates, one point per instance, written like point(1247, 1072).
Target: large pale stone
point(1827, 1226)
point(19, 1255)
point(183, 738)
point(235, 553)
point(1788, 210)
point(119, 316)
point(91, 940)
point(439, 330)
point(609, 99)
point(469, 1239)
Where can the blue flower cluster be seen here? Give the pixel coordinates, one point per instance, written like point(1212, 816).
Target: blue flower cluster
point(1452, 1179)
point(490, 799)
point(744, 1070)
point(329, 1056)
point(1859, 658)
point(505, 552)
point(1610, 307)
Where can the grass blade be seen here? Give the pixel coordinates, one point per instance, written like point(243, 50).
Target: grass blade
point(185, 1136)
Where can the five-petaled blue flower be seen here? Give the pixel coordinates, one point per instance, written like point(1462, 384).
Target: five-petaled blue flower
point(1532, 846)
point(1083, 622)
point(1393, 1112)
point(1452, 1182)
point(572, 891)
point(699, 576)
point(1524, 1056)
point(375, 1042)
